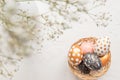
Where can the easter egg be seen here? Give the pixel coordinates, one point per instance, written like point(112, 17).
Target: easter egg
point(105, 59)
point(102, 46)
point(83, 68)
point(75, 55)
point(92, 61)
point(87, 47)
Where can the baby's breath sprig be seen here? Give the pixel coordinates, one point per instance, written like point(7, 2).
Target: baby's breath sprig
point(72, 10)
point(17, 30)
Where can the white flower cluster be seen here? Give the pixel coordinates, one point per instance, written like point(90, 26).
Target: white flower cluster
point(17, 29)
point(63, 12)
point(72, 10)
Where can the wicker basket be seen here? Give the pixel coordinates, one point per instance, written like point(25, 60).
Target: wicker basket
point(93, 74)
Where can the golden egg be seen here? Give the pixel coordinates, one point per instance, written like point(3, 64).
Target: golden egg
point(105, 59)
point(75, 55)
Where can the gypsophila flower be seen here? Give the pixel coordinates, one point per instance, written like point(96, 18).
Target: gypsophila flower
point(17, 29)
point(71, 10)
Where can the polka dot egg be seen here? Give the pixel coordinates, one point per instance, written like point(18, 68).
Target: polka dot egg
point(75, 55)
point(102, 46)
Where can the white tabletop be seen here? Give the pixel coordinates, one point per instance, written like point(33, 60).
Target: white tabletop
point(51, 64)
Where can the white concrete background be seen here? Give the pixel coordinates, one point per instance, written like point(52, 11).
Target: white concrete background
point(52, 63)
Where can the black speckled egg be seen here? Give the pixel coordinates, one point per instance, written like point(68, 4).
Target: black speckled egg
point(82, 67)
point(92, 61)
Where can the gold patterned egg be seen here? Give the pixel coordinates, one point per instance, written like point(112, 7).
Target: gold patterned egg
point(75, 55)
